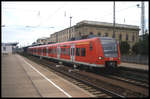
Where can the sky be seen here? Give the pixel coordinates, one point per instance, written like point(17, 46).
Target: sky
point(25, 22)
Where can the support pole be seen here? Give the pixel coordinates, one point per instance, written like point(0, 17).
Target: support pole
point(114, 20)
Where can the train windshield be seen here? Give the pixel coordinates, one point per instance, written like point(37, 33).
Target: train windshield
point(109, 47)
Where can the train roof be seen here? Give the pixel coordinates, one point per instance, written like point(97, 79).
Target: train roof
point(69, 42)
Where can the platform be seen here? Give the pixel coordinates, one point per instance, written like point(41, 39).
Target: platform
point(24, 78)
point(136, 66)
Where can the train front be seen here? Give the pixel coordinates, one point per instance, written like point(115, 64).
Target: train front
point(111, 51)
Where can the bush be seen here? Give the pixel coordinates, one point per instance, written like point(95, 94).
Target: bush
point(124, 47)
point(142, 46)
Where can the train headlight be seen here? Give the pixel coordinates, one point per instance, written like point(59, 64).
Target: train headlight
point(101, 58)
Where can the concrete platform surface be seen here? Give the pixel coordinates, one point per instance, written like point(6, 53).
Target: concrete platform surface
point(24, 78)
point(133, 65)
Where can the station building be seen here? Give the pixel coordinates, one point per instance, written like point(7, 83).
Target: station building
point(42, 40)
point(83, 29)
point(8, 48)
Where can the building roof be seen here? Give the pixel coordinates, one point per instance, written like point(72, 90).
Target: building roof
point(42, 38)
point(107, 24)
point(10, 44)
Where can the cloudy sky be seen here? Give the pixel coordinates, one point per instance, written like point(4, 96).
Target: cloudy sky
point(25, 22)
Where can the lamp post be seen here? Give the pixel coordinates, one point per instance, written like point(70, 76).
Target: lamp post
point(142, 16)
point(114, 20)
point(70, 26)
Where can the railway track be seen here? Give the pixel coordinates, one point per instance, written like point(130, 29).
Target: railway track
point(135, 74)
point(93, 83)
point(139, 78)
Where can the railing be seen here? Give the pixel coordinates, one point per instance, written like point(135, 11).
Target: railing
point(139, 59)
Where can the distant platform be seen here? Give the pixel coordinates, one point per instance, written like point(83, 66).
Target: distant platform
point(136, 66)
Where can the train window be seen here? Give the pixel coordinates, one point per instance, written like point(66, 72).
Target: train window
point(68, 51)
point(77, 51)
point(55, 50)
point(91, 46)
point(61, 50)
point(83, 51)
point(64, 51)
point(41, 50)
point(44, 50)
point(50, 50)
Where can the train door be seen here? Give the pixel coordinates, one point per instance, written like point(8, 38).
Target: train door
point(36, 51)
point(42, 51)
point(72, 56)
point(47, 51)
point(58, 52)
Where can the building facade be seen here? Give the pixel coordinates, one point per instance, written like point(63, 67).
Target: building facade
point(43, 40)
point(129, 33)
point(8, 48)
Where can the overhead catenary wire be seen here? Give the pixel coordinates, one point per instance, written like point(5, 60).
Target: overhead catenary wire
point(51, 15)
point(104, 16)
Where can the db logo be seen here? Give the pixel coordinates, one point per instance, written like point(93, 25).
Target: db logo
point(111, 58)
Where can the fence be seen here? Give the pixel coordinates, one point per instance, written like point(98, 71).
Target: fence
point(139, 59)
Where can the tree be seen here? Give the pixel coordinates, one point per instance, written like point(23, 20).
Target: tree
point(141, 47)
point(124, 47)
point(135, 49)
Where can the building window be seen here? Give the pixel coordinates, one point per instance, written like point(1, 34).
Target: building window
point(132, 37)
point(126, 37)
point(113, 36)
point(99, 34)
point(83, 51)
point(106, 35)
point(120, 37)
point(91, 33)
point(77, 51)
point(4, 48)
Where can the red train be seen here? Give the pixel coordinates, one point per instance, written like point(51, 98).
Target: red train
point(95, 52)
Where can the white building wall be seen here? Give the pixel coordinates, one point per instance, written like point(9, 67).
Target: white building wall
point(6, 49)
